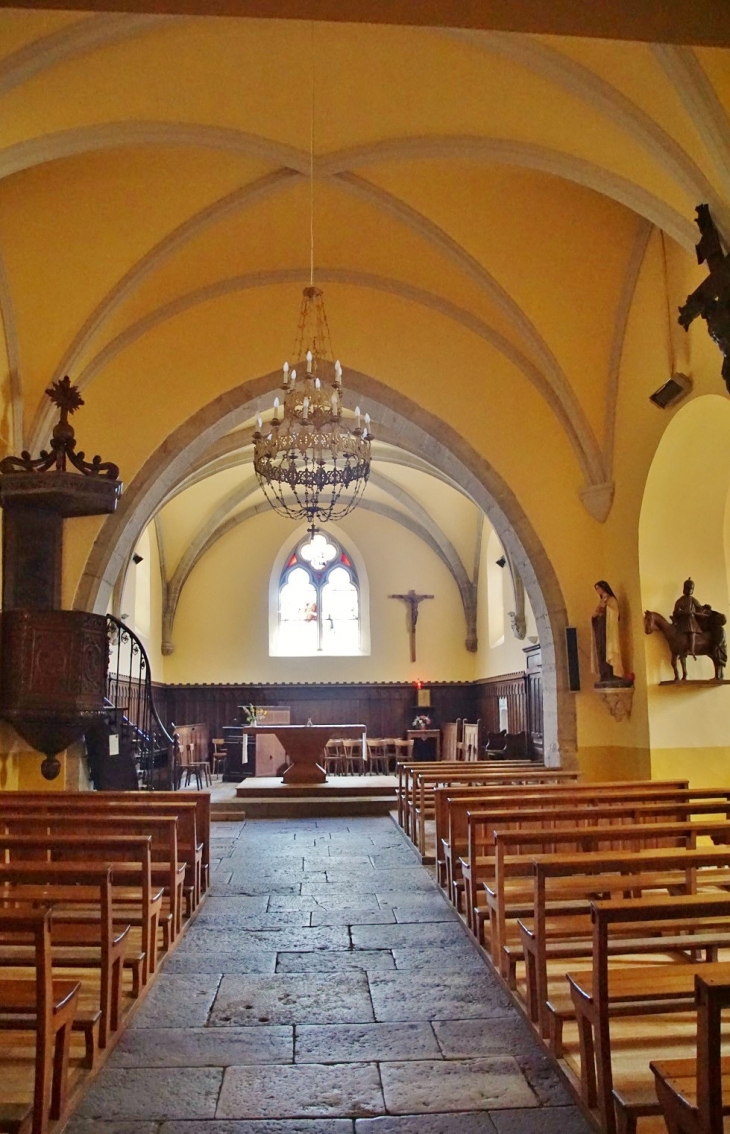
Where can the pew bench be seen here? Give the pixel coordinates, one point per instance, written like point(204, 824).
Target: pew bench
point(189, 848)
point(168, 872)
point(609, 809)
point(145, 803)
point(694, 1094)
point(461, 807)
point(514, 858)
point(43, 1005)
point(81, 939)
point(80, 894)
point(603, 992)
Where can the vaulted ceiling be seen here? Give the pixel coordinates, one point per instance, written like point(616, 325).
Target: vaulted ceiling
point(483, 204)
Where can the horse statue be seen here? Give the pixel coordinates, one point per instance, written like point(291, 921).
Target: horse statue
point(710, 642)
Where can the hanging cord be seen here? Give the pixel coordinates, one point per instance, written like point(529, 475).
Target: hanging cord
point(666, 296)
point(311, 159)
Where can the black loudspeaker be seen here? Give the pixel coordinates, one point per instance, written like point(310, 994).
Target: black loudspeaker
point(571, 642)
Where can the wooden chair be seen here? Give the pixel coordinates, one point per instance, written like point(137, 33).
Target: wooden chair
point(334, 757)
point(377, 757)
point(353, 757)
point(190, 766)
point(220, 755)
point(45, 1006)
point(691, 1092)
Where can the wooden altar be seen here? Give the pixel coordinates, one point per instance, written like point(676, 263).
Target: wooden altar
point(304, 745)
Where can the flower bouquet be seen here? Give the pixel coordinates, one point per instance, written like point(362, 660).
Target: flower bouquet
point(421, 722)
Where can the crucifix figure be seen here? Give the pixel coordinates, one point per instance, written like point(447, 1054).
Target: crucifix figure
point(711, 300)
point(412, 601)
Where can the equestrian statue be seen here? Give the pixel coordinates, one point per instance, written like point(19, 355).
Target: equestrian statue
point(694, 629)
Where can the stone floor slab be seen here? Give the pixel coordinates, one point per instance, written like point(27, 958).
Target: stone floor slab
point(293, 998)
point(212, 940)
point(436, 935)
point(459, 958)
point(352, 916)
point(365, 960)
point(362, 1043)
point(247, 961)
point(94, 1126)
point(553, 1120)
point(178, 1001)
point(476, 1122)
point(203, 1047)
point(303, 1091)
point(470, 1039)
point(466, 1084)
point(330, 900)
point(153, 1093)
point(436, 996)
point(262, 1126)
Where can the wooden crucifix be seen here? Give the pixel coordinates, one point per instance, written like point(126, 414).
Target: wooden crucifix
point(412, 601)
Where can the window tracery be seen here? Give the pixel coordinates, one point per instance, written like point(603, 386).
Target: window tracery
point(319, 600)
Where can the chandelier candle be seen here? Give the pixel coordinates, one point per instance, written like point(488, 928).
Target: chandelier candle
point(310, 462)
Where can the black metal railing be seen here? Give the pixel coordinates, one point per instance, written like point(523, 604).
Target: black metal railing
point(129, 690)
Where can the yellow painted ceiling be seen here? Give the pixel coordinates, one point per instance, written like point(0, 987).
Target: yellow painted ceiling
point(483, 202)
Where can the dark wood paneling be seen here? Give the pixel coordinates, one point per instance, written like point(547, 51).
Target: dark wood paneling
point(524, 702)
point(386, 710)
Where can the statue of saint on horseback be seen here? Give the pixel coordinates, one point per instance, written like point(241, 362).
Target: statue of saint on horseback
point(694, 629)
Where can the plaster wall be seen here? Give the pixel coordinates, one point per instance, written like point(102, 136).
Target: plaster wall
point(222, 632)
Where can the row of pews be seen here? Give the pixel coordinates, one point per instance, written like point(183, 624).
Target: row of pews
point(95, 889)
point(605, 909)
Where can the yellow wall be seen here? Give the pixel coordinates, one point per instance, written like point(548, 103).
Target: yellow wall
point(222, 630)
point(477, 236)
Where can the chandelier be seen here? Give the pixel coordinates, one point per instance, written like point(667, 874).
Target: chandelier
point(311, 461)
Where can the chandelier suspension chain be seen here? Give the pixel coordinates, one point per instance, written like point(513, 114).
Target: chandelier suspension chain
point(310, 461)
point(311, 156)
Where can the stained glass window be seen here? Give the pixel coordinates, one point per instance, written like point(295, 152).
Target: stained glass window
point(319, 600)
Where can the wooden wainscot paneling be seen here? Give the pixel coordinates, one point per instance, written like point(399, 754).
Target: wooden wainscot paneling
point(523, 693)
point(386, 709)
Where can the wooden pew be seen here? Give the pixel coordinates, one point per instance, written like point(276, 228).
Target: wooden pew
point(515, 856)
point(168, 869)
point(80, 938)
point(534, 827)
point(654, 804)
point(86, 887)
point(422, 804)
point(44, 1005)
point(598, 994)
point(406, 769)
point(453, 802)
point(694, 1094)
point(191, 848)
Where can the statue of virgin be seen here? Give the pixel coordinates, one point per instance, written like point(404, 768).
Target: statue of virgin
point(606, 653)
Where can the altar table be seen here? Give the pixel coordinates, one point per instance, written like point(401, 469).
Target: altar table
point(304, 745)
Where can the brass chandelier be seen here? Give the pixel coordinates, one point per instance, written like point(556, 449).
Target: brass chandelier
point(311, 461)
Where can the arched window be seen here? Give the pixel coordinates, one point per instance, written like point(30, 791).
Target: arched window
point(319, 600)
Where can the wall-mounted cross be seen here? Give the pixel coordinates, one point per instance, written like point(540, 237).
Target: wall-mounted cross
point(412, 601)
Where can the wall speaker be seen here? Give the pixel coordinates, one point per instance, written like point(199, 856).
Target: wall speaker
point(673, 389)
point(571, 642)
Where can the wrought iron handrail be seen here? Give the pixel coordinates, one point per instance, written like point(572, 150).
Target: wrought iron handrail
point(129, 689)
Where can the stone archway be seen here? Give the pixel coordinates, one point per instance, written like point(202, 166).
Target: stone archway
point(400, 422)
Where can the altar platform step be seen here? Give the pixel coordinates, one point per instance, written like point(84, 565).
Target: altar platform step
point(268, 798)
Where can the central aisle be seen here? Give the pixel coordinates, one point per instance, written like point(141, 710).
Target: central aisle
point(326, 987)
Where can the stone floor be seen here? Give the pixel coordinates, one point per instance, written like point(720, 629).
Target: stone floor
point(326, 987)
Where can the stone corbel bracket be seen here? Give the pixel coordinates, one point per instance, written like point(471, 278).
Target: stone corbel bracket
point(619, 702)
point(597, 499)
